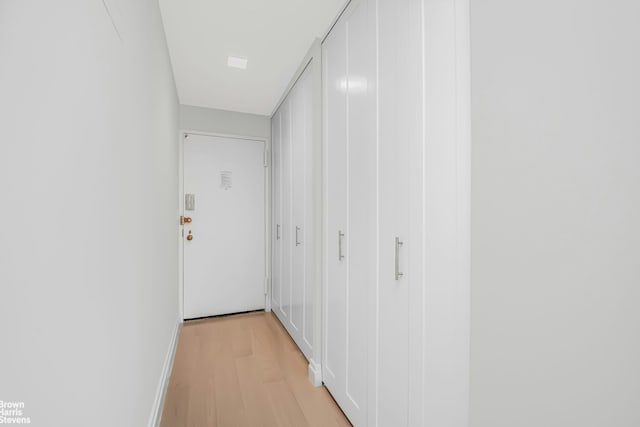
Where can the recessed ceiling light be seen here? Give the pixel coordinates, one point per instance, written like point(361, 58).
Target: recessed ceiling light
point(237, 62)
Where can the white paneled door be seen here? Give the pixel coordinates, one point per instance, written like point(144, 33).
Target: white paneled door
point(283, 287)
point(298, 169)
point(351, 203)
point(293, 289)
point(396, 197)
point(400, 126)
point(224, 236)
point(276, 233)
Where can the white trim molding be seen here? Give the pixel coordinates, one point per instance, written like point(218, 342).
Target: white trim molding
point(158, 402)
point(315, 374)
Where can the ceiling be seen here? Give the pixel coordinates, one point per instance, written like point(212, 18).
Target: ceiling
point(274, 35)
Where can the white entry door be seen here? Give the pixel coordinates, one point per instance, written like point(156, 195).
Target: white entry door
point(224, 242)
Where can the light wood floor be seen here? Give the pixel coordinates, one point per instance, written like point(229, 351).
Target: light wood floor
point(243, 370)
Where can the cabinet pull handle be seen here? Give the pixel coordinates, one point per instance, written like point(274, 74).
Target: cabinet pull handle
point(399, 274)
point(277, 231)
point(297, 241)
point(340, 237)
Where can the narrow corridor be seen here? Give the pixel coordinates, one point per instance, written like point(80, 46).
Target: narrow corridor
point(243, 370)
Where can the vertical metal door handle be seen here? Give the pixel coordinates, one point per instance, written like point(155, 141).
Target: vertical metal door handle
point(398, 245)
point(277, 231)
point(340, 236)
point(297, 241)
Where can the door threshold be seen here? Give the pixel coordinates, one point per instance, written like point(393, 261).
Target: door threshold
point(217, 316)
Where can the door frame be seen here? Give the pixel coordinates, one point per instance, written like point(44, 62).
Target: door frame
point(267, 207)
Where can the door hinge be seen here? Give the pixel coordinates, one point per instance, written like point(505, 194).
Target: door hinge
point(266, 158)
point(266, 285)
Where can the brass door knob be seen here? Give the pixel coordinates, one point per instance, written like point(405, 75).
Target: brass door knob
point(187, 220)
point(189, 236)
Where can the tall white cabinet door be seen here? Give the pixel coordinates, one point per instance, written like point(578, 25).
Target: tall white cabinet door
point(351, 234)
point(362, 203)
point(334, 64)
point(298, 194)
point(276, 170)
point(310, 299)
point(284, 308)
point(395, 320)
point(400, 89)
point(302, 294)
point(294, 126)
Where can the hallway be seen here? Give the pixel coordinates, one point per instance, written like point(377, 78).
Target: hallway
point(369, 213)
point(243, 370)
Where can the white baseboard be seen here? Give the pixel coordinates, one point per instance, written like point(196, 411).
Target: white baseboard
point(315, 374)
point(158, 403)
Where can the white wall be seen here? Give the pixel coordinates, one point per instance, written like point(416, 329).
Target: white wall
point(88, 243)
point(224, 122)
point(556, 213)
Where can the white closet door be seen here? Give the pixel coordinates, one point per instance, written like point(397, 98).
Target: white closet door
point(297, 296)
point(298, 225)
point(302, 295)
point(284, 309)
point(362, 202)
point(334, 63)
point(351, 209)
point(400, 92)
point(276, 168)
point(384, 352)
point(310, 300)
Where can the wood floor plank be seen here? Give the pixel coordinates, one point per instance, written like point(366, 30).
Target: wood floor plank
point(266, 352)
point(175, 414)
point(254, 393)
point(202, 404)
point(230, 407)
point(243, 370)
point(242, 337)
point(285, 406)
